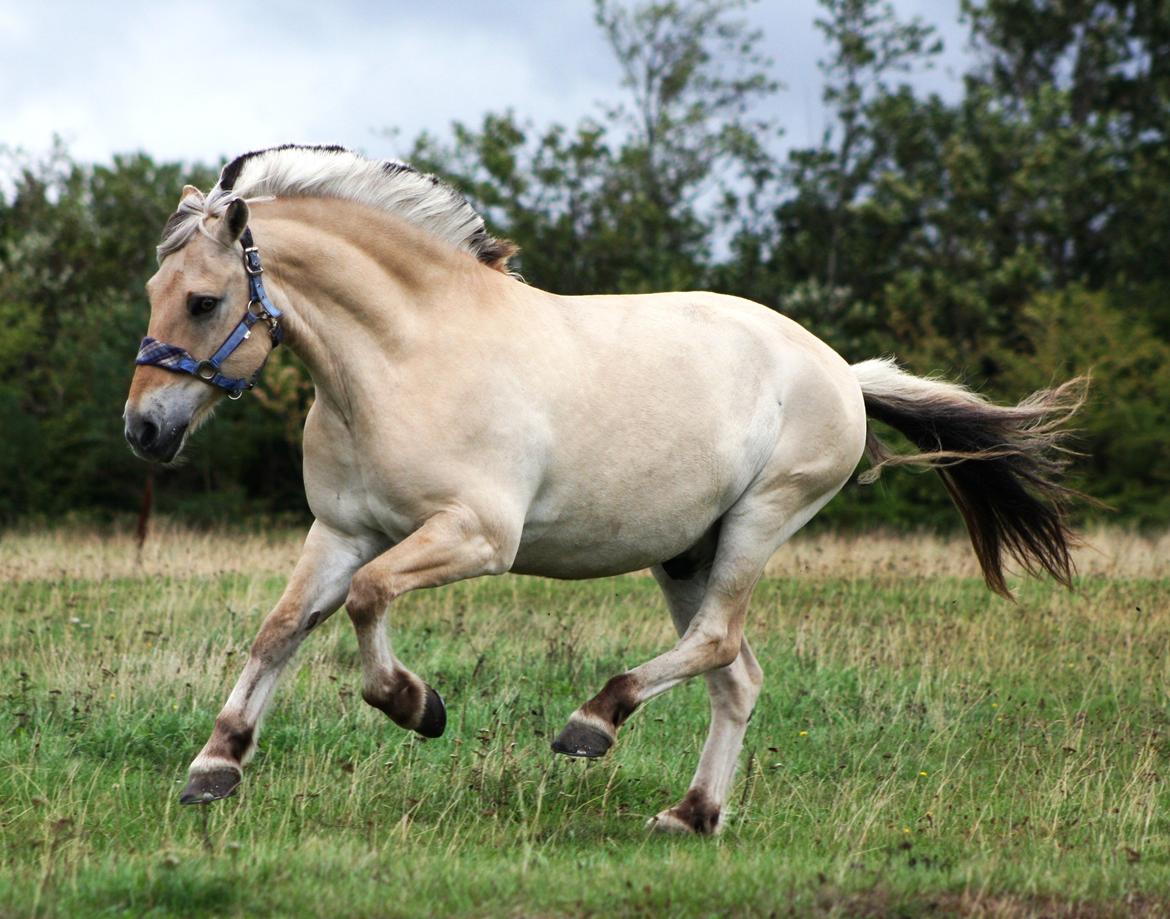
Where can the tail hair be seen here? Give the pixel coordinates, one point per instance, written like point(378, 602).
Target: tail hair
point(1001, 464)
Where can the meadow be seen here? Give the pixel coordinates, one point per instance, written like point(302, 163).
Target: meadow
point(920, 748)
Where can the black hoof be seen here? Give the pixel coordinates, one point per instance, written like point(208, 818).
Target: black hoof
point(205, 787)
point(581, 739)
point(434, 716)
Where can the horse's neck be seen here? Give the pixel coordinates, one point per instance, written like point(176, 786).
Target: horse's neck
point(358, 287)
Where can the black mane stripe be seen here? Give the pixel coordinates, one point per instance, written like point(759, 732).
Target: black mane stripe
point(231, 172)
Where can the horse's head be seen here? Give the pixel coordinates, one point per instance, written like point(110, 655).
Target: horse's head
point(197, 298)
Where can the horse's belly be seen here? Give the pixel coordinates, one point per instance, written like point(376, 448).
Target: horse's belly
point(564, 553)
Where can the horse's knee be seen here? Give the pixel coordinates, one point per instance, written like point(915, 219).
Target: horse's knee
point(369, 595)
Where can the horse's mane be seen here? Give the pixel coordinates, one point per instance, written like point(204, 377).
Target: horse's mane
point(293, 171)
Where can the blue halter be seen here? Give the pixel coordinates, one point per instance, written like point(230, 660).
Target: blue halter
point(153, 352)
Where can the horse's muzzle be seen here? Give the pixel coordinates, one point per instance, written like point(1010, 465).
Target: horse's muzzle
point(154, 439)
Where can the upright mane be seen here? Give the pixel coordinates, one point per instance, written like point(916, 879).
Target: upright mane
point(293, 171)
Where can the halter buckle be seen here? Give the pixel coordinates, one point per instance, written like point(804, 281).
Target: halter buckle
point(252, 261)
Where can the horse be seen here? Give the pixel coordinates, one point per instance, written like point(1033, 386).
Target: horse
point(466, 423)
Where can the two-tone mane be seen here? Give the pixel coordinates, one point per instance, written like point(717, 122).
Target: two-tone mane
point(293, 171)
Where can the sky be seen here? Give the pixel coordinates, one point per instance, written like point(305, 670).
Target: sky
point(200, 81)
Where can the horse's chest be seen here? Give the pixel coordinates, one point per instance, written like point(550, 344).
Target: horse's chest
point(353, 489)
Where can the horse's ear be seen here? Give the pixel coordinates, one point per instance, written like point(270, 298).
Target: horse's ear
point(235, 220)
point(188, 191)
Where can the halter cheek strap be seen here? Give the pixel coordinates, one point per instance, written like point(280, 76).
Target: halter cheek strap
point(155, 353)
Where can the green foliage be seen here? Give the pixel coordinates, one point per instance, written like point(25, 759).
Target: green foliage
point(76, 247)
point(1124, 430)
point(1011, 237)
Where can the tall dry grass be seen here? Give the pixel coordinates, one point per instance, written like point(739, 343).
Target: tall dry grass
point(175, 550)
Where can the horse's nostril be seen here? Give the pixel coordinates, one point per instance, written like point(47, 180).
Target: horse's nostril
point(147, 434)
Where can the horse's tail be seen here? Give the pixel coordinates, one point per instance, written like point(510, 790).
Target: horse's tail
point(1000, 463)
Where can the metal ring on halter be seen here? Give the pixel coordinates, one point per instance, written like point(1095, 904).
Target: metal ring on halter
point(266, 317)
point(206, 371)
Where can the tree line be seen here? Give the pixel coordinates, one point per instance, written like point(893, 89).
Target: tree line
point(1015, 236)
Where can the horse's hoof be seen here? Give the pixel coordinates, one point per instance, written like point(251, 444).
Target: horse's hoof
point(666, 822)
point(205, 787)
point(696, 815)
point(434, 716)
point(580, 738)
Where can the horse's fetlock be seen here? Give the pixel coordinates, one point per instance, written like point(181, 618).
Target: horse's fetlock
point(233, 738)
point(373, 696)
point(398, 696)
point(615, 703)
point(698, 811)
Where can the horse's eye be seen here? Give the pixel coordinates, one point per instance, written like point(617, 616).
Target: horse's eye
point(201, 304)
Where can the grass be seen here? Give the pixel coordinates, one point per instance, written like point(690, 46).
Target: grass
point(920, 747)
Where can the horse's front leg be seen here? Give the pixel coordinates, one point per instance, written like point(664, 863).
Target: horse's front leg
point(314, 592)
point(450, 546)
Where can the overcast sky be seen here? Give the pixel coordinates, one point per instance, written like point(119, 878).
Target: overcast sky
point(197, 81)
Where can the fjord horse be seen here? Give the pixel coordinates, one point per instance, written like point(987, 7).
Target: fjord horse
point(466, 424)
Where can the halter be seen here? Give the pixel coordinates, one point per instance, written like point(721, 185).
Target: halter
point(153, 352)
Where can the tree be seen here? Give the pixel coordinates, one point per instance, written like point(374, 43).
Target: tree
point(868, 45)
point(631, 204)
point(827, 254)
point(1092, 79)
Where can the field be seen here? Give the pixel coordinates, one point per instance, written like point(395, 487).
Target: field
point(920, 748)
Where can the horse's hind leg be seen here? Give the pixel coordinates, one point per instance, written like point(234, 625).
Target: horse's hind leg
point(711, 638)
point(733, 690)
point(762, 520)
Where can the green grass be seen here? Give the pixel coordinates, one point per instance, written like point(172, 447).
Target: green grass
point(919, 748)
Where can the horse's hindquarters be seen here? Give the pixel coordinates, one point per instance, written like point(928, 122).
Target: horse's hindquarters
point(747, 407)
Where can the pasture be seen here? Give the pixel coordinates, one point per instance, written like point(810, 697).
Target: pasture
point(920, 747)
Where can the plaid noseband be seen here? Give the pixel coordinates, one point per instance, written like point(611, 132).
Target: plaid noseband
point(155, 353)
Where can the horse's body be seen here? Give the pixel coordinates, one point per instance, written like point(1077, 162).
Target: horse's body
point(467, 424)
